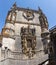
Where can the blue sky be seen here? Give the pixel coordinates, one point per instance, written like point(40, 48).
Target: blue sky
point(48, 7)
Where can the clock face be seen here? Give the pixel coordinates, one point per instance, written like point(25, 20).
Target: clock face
point(28, 15)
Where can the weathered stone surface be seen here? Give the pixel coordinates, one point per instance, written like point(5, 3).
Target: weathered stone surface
point(12, 47)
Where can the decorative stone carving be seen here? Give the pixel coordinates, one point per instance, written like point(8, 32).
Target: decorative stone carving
point(28, 41)
point(14, 7)
point(29, 37)
point(7, 32)
point(28, 15)
point(11, 17)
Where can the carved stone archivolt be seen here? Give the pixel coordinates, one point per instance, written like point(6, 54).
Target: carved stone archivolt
point(28, 41)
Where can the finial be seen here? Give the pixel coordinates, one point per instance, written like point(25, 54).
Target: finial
point(39, 10)
point(14, 5)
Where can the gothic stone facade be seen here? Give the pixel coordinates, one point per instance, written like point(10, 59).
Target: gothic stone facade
point(24, 38)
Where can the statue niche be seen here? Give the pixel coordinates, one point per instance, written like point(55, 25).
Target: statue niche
point(28, 41)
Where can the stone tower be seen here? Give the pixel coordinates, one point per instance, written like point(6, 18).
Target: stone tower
point(24, 38)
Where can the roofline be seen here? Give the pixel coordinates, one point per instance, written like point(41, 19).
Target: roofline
point(18, 8)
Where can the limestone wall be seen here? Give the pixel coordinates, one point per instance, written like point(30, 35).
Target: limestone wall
point(20, 18)
point(8, 42)
point(9, 25)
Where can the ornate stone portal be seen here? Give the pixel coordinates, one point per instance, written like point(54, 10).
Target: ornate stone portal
point(28, 41)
